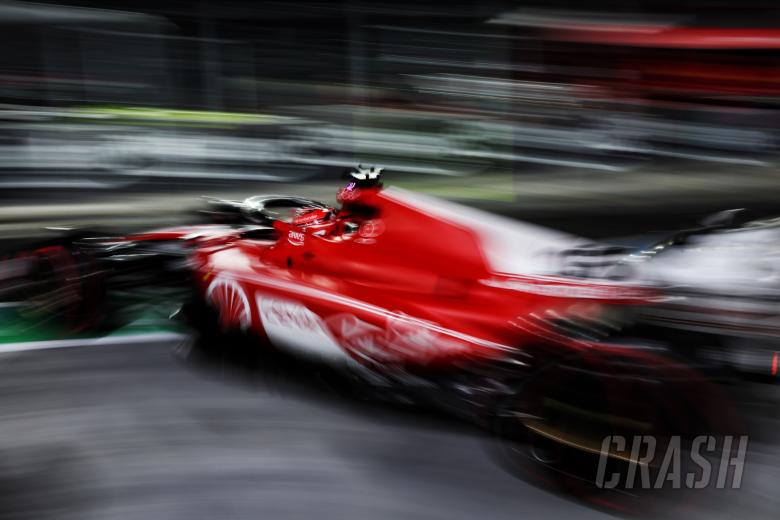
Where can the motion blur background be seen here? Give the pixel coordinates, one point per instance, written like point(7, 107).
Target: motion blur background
point(607, 118)
point(536, 108)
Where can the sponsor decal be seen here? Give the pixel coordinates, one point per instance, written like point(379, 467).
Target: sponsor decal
point(360, 338)
point(231, 301)
point(294, 327)
point(348, 193)
point(295, 237)
point(310, 214)
point(401, 337)
point(369, 231)
point(331, 298)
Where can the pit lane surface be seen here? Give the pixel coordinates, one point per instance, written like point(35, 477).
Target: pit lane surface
point(132, 431)
point(144, 430)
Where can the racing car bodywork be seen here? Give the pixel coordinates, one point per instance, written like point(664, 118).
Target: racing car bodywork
point(416, 282)
point(722, 284)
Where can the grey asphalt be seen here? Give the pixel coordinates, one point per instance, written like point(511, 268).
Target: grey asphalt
point(139, 431)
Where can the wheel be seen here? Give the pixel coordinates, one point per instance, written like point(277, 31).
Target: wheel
point(554, 430)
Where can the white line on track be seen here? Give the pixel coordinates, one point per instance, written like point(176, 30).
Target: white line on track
point(130, 339)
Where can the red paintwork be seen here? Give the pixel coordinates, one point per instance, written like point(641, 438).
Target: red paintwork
point(411, 287)
point(311, 216)
point(673, 37)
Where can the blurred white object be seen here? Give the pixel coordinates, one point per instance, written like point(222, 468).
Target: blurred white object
point(724, 280)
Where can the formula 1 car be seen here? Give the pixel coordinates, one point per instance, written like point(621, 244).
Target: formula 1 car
point(413, 297)
point(722, 285)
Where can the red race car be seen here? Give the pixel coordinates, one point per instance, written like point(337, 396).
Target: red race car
point(512, 325)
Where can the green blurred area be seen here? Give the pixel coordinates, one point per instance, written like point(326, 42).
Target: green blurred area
point(499, 187)
point(137, 317)
point(164, 116)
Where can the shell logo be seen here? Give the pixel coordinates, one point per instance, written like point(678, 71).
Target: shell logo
point(231, 302)
point(369, 230)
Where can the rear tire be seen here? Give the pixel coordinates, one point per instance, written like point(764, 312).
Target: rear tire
point(551, 432)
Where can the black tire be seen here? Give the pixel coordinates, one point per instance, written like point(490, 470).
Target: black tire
point(552, 431)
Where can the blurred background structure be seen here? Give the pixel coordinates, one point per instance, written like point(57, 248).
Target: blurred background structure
point(475, 97)
point(124, 111)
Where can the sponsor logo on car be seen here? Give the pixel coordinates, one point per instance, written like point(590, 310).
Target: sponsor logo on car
point(231, 302)
point(369, 230)
point(295, 237)
point(294, 327)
